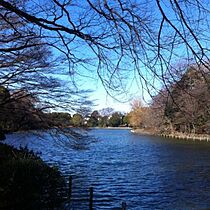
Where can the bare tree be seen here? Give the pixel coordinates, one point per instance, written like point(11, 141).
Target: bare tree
point(123, 39)
point(28, 75)
point(106, 111)
point(28, 64)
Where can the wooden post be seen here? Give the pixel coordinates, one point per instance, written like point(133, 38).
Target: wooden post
point(70, 187)
point(91, 199)
point(123, 205)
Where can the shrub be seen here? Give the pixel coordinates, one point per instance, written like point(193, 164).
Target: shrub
point(26, 182)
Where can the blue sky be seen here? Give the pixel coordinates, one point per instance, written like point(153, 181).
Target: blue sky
point(119, 102)
point(149, 67)
point(101, 97)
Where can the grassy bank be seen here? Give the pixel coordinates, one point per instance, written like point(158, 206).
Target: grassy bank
point(26, 182)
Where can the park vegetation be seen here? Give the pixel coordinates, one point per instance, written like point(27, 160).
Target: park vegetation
point(27, 182)
point(184, 107)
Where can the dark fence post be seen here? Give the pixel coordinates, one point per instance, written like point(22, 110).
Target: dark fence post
point(91, 199)
point(70, 187)
point(123, 205)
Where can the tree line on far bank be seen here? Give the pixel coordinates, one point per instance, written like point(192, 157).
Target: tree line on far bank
point(19, 111)
point(94, 119)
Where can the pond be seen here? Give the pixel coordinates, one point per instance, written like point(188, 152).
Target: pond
point(145, 172)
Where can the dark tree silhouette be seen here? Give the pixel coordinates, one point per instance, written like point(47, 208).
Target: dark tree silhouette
point(122, 39)
point(28, 63)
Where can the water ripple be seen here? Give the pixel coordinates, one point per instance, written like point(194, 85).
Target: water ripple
point(146, 172)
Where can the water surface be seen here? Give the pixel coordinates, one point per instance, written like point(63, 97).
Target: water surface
point(146, 172)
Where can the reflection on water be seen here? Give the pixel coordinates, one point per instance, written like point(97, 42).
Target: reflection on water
point(146, 172)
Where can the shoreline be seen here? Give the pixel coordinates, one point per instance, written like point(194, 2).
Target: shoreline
point(112, 128)
point(184, 136)
point(143, 132)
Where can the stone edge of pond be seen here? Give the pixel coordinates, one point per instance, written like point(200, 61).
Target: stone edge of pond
point(192, 137)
